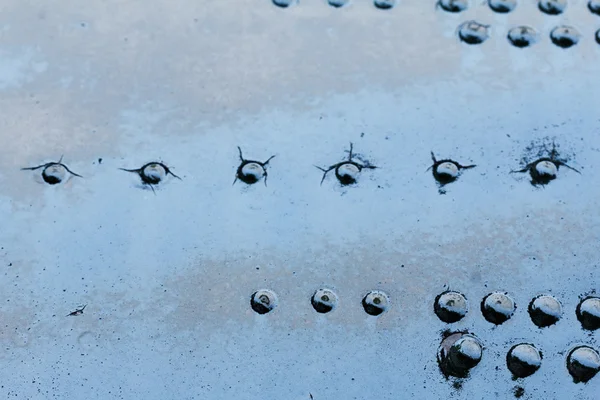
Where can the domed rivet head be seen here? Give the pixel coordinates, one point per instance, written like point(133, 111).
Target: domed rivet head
point(384, 4)
point(545, 311)
point(588, 313)
point(347, 172)
point(565, 36)
point(594, 6)
point(324, 301)
point(152, 173)
point(522, 36)
point(250, 171)
point(497, 308)
point(583, 363)
point(450, 306)
point(283, 3)
point(458, 353)
point(552, 7)
point(453, 6)
point(337, 3)
point(53, 173)
point(446, 171)
point(545, 169)
point(376, 302)
point(502, 6)
point(263, 301)
point(523, 360)
point(473, 32)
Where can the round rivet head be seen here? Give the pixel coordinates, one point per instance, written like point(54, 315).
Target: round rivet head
point(54, 174)
point(545, 311)
point(523, 360)
point(497, 308)
point(458, 353)
point(376, 302)
point(450, 306)
point(588, 313)
point(565, 36)
point(324, 301)
point(153, 173)
point(583, 363)
point(251, 172)
point(594, 6)
point(502, 6)
point(473, 32)
point(446, 172)
point(263, 301)
point(522, 36)
point(283, 3)
point(337, 3)
point(598, 36)
point(384, 4)
point(552, 7)
point(347, 173)
point(453, 6)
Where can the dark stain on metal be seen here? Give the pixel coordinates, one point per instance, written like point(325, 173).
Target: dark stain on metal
point(522, 36)
point(77, 312)
point(152, 173)
point(446, 171)
point(347, 171)
point(53, 172)
point(453, 6)
point(250, 171)
point(544, 311)
point(518, 392)
point(565, 36)
point(450, 306)
point(497, 308)
point(523, 360)
point(473, 32)
point(502, 6)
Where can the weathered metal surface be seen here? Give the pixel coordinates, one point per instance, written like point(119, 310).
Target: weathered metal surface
point(166, 271)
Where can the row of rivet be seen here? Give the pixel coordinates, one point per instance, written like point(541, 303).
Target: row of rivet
point(459, 352)
point(473, 32)
point(542, 170)
point(498, 307)
point(452, 306)
point(550, 7)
